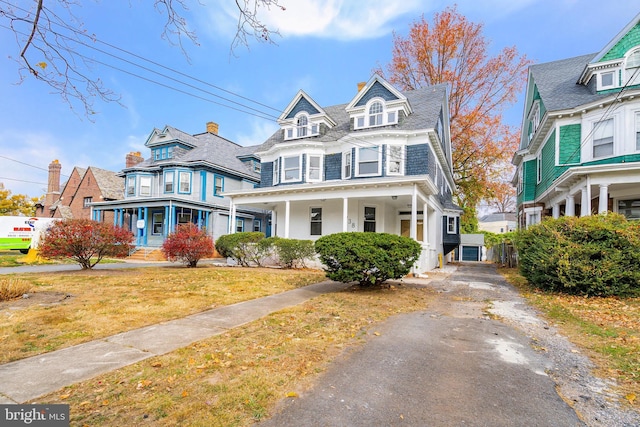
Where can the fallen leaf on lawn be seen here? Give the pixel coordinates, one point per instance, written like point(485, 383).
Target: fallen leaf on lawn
point(292, 394)
point(376, 334)
point(85, 403)
point(156, 364)
point(631, 397)
point(142, 384)
point(64, 396)
point(185, 394)
point(105, 402)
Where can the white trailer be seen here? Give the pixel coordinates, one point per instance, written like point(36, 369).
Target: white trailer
point(19, 232)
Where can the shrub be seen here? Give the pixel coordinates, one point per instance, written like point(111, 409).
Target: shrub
point(244, 247)
point(592, 255)
point(368, 258)
point(188, 244)
point(292, 253)
point(85, 241)
point(11, 288)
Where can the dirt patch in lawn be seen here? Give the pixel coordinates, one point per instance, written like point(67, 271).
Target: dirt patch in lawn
point(43, 299)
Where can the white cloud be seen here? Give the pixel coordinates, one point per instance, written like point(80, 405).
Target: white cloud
point(257, 133)
point(331, 19)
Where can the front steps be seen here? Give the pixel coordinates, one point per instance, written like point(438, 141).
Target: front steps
point(147, 254)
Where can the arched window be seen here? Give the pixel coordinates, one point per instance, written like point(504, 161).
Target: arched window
point(632, 69)
point(375, 113)
point(302, 126)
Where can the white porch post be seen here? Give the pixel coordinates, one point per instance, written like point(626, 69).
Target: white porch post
point(274, 222)
point(603, 204)
point(413, 232)
point(345, 214)
point(556, 210)
point(287, 212)
point(425, 223)
point(584, 203)
point(570, 209)
point(232, 217)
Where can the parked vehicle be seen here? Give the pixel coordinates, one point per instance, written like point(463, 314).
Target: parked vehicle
point(20, 232)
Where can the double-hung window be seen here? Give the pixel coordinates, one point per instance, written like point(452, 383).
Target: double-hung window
point(395, 160)
point(291, 168)
point(87, 201)
point(637, 131)
point(218, 185)
point(451, 225)
point(158, 219)
point(314, 168)
point(131, 186)
point(368, 161)
point(239, 225)
point(145, 185)
point(603, 138)
point(346, 165)
point(276, 171)
point(375, 114)
point(370, 219)
point(184, 182)
point(168, 182)
point(302, 126)
point(632, 69)
point(316, 221)
point(257, 225)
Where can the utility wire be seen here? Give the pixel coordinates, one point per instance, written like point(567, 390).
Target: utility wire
point(27, 164)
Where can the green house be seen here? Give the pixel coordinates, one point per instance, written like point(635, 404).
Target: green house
point(579, 150)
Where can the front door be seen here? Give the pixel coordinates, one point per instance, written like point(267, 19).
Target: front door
point(405, 229)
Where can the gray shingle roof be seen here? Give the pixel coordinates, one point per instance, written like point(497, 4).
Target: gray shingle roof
point(110, 184)
point(557, 83)
point(499, 216)
point(209, 148)
point(425, 103)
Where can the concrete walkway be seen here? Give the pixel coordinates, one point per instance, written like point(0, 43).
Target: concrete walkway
point(27, 379)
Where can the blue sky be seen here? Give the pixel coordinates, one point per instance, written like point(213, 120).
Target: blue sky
point(326, 48)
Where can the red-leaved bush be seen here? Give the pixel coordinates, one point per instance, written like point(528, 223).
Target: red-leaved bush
point(85, 241)
point(188, 244)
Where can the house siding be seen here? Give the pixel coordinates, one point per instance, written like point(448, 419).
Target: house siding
point(630, 40)
point(418, 160)
point(548, 158)
point(614, 160)
point(569, 150)
point(266, 174)
point(376, 90)
point(302, 105)
point(530, 172)
point(332, 166)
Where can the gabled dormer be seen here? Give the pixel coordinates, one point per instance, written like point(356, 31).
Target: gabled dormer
point(377, 104)
point(616, 66)
point(164, 143)
point(304, 118)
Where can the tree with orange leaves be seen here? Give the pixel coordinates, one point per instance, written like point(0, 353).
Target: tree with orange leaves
point(453, 50)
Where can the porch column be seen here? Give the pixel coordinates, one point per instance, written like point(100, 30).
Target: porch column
point(425, 223)
point(556, 210)
point(274, 222)
point(345, 214)
point(585, 208)
point(146, 224)
point(139, 230)
point(165, 229)
point(287, 213)
point(413, 230)
point(174, 219)
point(232, 218)
point(603, 204)
point(570, 209)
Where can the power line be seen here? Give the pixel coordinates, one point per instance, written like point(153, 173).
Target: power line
point(22, 180)
point(27, 164)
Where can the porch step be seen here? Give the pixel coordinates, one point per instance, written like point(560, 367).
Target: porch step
point(143, 254)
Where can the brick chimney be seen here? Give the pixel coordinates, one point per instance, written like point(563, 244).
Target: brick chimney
point(133, 158)
point(212, 127)
point(361, 85)
point(53, 186)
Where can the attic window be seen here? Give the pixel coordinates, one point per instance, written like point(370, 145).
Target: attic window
point(302, 127)
point(632, 69)
point(375, 114)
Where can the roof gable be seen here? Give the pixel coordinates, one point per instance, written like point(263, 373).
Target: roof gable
point(167, 136)
point(304, 103)
point(626, 39)
point(377, 87)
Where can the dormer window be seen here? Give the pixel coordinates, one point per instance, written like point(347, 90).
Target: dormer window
point(632, 69)
point(375, 114)
point(302, 127)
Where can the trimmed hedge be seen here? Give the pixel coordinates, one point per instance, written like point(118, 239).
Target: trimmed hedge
point(368, 258)
point(292, 253)
point(244, 248)
point(594, 255)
